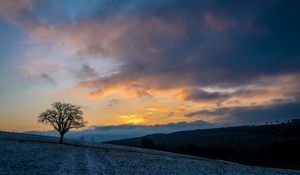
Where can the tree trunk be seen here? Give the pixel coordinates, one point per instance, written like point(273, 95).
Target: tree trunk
point(61, 138)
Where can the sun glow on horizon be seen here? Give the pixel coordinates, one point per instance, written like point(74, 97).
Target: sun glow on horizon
point(132, 119)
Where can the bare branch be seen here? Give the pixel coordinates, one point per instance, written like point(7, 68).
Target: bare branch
point(63, 117)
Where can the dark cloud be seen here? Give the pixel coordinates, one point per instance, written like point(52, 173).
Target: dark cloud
point(47, 77)
point(175, 44)
point(208, 43)
point(218, 97)
point(38, 76)
point(39, 71)
point(253, 114)
point(114, 102)
point(199, 95)
point(86, 72)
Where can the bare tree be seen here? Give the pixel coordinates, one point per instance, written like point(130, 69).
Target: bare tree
point(63, 117)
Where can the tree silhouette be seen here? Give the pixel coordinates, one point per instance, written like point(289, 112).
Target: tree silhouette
point(63, 117)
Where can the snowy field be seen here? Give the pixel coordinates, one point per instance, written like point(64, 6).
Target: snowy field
point(30, 154)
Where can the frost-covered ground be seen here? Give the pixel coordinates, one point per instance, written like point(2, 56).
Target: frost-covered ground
point(29, 154)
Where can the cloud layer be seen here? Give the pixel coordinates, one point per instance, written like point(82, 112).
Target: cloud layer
point(114, 132)
point(214, 56)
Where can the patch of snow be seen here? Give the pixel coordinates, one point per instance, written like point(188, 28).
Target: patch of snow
point(32, 154)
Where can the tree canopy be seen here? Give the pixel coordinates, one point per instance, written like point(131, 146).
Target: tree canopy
point(63, 117)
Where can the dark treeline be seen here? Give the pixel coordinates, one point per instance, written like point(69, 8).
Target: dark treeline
point(276, 145)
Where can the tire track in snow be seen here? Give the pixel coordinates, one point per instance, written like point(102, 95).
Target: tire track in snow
point(67, 167)
point(99, 163)
point(93, 165)
point(74, 162)
point(87, 161)
point(110, 163)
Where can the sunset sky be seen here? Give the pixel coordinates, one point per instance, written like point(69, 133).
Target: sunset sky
point(148, 62)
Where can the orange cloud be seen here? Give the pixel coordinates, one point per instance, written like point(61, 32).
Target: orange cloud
point(132, 119)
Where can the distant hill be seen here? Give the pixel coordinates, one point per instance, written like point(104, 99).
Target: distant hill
point(275, 145)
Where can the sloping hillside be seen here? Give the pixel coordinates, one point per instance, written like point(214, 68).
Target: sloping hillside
point(29, 154)
point(270, 145)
